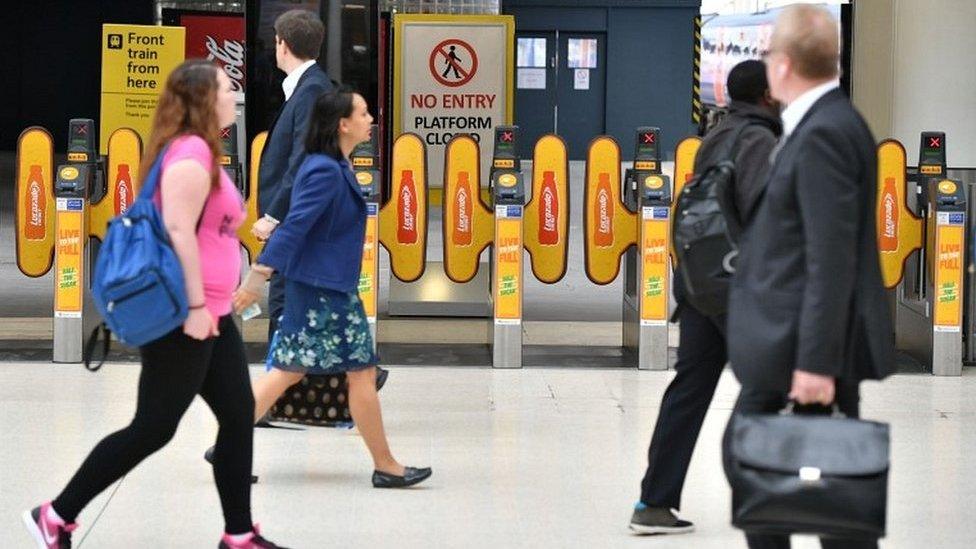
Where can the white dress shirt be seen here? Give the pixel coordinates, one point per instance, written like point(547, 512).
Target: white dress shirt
point(795, 111)
point(291, 81)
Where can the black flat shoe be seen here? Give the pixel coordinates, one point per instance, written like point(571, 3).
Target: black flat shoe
point(381, 376)
point(208, 455)
point(411, 476)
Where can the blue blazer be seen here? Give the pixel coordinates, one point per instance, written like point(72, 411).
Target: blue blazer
point(320, 241)
point(285, 147)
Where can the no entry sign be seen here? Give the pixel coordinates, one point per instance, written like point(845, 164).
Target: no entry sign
point(452, 75)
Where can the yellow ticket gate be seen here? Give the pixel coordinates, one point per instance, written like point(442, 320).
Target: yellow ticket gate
point(63, 214)
point(631, 222)
point(922, 241)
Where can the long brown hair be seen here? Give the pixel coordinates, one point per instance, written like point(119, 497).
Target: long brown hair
point(186, 106)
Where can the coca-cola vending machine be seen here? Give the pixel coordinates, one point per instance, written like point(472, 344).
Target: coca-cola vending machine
point(219, 37)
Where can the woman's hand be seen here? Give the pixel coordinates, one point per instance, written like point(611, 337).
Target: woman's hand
point(243, 299)
point(200, 324)
point(252, 287)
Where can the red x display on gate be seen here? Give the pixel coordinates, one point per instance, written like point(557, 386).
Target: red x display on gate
point(648, 138)
point(935, 142)
point(507, 137)
point(81, 129)
point(225, 133)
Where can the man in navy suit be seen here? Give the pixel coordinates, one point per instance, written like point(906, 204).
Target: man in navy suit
point(298, 41)
point(808, 317)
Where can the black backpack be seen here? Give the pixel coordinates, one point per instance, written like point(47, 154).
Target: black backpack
point(705, 233)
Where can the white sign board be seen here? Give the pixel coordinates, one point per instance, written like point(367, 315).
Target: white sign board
point(581, 79)
point(452, 75)
point(531, 79)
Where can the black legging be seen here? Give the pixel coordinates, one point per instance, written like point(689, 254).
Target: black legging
point(176, 368)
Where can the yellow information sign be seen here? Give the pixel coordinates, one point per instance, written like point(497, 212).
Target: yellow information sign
point(250, 243)
point(655, 268)
point(609, 226)
point(35, 202)
point(122, 184)
point(507, 285)
point(68, 266)
point(467, 227)
point(403, 220)
point(368, 288)
point(547, 213)
point(136, 60)
point(948, 274)
point(899, 230)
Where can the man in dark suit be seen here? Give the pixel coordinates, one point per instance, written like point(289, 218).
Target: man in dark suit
point(750, 131)
point(808, 319)
point(298, 40)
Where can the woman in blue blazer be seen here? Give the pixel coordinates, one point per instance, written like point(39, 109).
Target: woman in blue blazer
point(318, 249)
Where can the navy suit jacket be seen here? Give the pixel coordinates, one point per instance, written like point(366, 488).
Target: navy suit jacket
point(320, 241)
point(285, 147)
point(807, 292)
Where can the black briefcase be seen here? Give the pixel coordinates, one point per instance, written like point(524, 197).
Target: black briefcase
point(806, 474)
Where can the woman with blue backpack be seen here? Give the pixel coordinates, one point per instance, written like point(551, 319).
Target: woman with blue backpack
point(201, 210)
point(318, 248)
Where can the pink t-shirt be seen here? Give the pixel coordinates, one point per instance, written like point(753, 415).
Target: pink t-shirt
point(220, 251)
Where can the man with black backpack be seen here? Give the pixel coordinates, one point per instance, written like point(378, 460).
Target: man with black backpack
point(744, 141)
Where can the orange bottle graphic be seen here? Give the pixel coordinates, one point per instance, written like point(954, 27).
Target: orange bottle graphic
point(35, 205)
point(407, 209)
point(888, 241)
point(123, 190)
point(549, 211)
point(603, 213)
point(463, 211)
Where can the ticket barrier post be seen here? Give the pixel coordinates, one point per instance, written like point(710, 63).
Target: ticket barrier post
point(72, 261)
point(647, 270)
point(922, 247)
point(508, 198)
point(366, 165)
point(231, 159)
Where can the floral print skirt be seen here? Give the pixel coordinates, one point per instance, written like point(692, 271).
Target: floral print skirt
point(322, 331)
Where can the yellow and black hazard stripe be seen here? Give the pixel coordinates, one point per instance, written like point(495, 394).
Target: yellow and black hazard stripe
point(696, 105)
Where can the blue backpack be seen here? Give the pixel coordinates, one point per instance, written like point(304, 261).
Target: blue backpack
point(138, 284)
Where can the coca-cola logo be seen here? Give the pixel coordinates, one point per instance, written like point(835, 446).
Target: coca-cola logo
point(462, 204)
point(231, 56)
point(549, 216)
point(406, 202)
point(604, 202)
point(36, 215)
point(890, 228)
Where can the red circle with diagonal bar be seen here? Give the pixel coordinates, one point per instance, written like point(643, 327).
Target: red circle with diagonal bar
point(441, 53)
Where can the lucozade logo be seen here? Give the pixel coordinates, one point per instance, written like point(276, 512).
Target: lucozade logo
point(889, 217)
point(463, 211)
point(603, 213)
point(549, 212)
point(36, 203)
point(407, 210)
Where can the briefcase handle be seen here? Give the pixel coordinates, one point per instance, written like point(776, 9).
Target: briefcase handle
point(791, 405)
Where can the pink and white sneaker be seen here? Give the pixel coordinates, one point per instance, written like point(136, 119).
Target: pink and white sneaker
point(250, 541)
point(48, 533)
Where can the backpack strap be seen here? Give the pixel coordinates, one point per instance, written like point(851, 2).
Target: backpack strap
point(89, 351)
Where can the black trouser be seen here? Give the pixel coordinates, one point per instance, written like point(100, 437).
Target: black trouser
point(701, 358)
point(276, 303)
point(175, 368)
point(754, 401)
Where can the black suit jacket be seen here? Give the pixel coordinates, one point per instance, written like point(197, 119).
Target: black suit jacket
point(285, 148)
point(807, 293)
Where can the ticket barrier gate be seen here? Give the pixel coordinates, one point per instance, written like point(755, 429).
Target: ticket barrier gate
point(631, 222)
point(921, 223)
point(62, 223)
point(366, 165)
